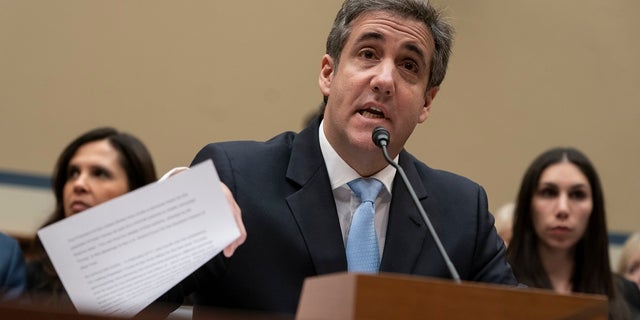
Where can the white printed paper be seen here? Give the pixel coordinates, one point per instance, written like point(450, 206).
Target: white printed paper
point(120, 256)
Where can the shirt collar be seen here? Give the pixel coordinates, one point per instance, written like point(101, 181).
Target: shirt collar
point(340, 173)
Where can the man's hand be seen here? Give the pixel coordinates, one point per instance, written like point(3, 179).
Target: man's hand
point(237, 215)
point(235, 209)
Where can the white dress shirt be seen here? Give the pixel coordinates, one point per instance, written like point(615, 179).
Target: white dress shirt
point(340, 173)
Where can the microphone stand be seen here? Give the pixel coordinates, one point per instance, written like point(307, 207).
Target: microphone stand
point(381, 138)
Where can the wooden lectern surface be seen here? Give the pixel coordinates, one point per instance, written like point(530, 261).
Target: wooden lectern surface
point(390, 296)
point(387, 296)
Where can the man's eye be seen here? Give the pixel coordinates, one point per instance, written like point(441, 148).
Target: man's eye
point(411, 66)
point(368, 54)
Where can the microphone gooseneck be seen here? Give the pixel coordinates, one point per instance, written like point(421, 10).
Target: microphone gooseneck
point(381, 138)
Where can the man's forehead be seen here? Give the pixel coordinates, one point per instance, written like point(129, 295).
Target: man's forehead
point(370, 25)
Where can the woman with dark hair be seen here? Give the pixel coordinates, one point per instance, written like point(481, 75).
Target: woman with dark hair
point(560, 237)
point(97, 166)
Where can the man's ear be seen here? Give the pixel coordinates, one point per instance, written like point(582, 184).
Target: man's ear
point(428, 99)
point(326, 75)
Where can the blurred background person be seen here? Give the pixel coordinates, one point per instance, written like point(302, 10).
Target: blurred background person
point(97, 166)
point(560, 237)
point(314, 114)
point(12, 270)
point(629, 268)
point(629, 262)
point(504, 222)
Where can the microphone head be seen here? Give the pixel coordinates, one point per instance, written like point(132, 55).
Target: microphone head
point(380, 136)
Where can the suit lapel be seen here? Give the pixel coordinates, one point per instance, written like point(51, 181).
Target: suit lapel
point(312, 206)
point(406, 229)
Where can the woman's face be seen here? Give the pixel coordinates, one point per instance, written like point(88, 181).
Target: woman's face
point(561, 206)
point(94, 176)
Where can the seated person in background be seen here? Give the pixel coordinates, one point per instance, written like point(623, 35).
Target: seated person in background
point(504, 222)
point(629, 262)
point(629, 268)
point(311, 117)
point(12, 271)
point(97, 166)
point(560, 233)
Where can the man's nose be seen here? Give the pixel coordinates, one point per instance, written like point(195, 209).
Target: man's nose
point(383, 81)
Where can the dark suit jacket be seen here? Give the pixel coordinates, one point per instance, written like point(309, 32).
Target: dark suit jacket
point(283, 189)
point(631, 294)
point(12, 270)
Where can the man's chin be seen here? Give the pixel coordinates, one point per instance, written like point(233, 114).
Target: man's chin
point(365, 144)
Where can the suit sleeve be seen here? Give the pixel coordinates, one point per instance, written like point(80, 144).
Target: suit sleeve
point(12, 271)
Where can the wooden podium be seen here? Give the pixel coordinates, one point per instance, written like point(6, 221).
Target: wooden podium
point(392, 296)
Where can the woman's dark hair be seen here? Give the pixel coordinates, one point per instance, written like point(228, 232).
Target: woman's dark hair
point(134, 158)
point(592, 273)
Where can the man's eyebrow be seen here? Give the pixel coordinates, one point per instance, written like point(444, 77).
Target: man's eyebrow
point(413, 48)
point(379, 36)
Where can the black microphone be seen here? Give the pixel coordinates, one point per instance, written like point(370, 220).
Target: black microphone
point(381, 138)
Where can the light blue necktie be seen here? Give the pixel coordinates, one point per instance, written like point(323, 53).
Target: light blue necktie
point(362, 242)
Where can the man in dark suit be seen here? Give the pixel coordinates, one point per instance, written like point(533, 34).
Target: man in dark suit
point(12, 270)
point(385, 61)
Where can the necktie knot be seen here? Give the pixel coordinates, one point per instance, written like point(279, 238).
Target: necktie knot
point(366, 189)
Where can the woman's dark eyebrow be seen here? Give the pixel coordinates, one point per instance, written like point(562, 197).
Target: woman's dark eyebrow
point(579, 186)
